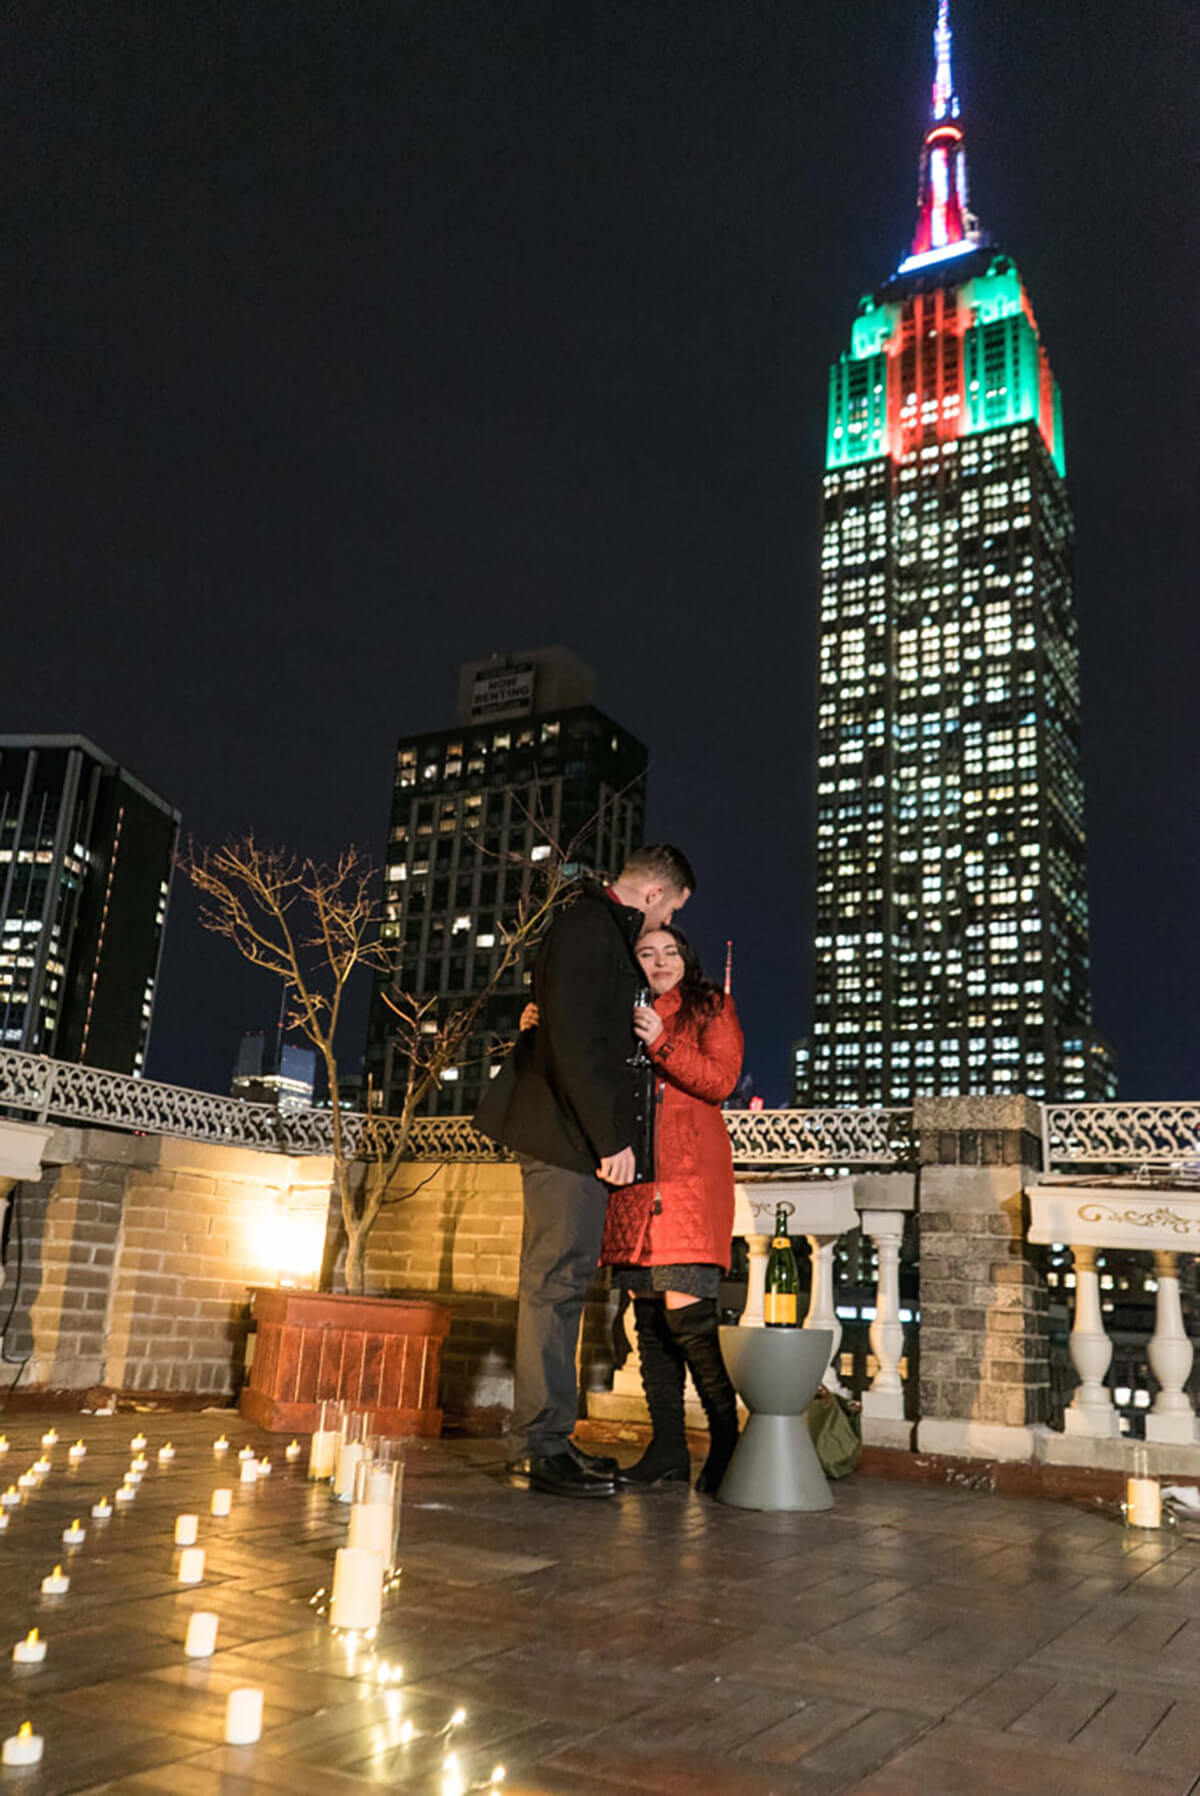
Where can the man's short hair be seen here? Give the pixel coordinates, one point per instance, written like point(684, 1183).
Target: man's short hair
point(660, 861)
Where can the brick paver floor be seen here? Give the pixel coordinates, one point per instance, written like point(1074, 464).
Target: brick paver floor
point(914, 1641)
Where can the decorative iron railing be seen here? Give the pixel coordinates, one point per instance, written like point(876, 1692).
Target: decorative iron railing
point(1156, 1137)
point(57, 1090)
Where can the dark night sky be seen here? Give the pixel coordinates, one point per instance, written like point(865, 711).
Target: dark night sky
point(352, 341)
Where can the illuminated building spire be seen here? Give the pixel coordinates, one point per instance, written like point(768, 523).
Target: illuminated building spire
point(944, 223)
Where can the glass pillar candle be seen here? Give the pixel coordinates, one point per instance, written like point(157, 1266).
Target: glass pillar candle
point(378, 1493)
point(322, 1448)
point(357, 1600)
point(354, 1440)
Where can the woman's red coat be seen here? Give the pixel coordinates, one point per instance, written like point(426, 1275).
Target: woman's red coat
point(686, 1216)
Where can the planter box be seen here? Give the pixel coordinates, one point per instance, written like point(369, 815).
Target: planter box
point(378, 1353)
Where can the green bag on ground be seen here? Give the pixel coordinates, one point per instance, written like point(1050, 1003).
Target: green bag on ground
point(836, 1434)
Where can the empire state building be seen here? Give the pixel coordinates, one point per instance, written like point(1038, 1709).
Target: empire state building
point(951, 922)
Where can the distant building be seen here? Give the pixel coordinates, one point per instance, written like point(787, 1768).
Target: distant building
point(529, 763)
point(951, 928)
point(86, 853)
point(272, 1072)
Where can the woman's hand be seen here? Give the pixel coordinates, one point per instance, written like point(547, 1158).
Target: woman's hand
point(530, 1018)
point(647, 1023)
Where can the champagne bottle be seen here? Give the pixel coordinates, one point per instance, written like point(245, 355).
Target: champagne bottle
point(781, 1297)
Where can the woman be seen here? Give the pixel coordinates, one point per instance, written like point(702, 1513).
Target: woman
point(668, 1241)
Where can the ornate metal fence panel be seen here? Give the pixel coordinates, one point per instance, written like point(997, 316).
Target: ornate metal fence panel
point(57, 1090)
point(1160, 1137)
point(775, 1138)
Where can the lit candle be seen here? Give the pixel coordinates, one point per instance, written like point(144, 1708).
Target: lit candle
point(191, 1565)
point(371, 1528)
point(57, 1584)
point(249, 1471)
point(139, 1464)
point(321, 1452)
point(186, 1529)
point(348, 1456)
point(201, 1640)
point(41, 1465)
point(75, 1535)
point(137, 1443)
point(292, 1450)
point(102, 1510)
point(10, 1497)
point(50, 1438)
point(3, 1443)
point(262, 1468)
point(220, 1445)
point(27, 1480)
point(134, 1475)
point(31, 1650)
point(222, 1502)
point(76, 1453)
point(127, 1493)
point(243, 1717)
point(357, 1600)
point(1143, 1503)
point(3, 1520)
point(246, 1453)
point(165, 1453)
point(22, 1748)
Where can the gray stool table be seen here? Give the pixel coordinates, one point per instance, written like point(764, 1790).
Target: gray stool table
point(776, 1372)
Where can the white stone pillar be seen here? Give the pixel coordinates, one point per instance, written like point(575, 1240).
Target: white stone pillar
point(1171, 1417)
point(1091, 1409)
point(822, 1312)
point(885, 1399)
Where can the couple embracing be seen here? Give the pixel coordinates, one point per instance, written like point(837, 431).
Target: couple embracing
point(624, 1164)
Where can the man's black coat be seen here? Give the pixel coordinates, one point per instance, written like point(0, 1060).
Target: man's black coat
point(571, 1097)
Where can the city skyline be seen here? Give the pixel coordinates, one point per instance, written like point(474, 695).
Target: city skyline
point(437, 338)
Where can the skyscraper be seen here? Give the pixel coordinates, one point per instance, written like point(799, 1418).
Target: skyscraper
point(529, 766)
point(951, 930)
point(86, 853)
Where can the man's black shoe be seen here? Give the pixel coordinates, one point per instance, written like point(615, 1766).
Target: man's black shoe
point(593, 1463)
point(557, 1475)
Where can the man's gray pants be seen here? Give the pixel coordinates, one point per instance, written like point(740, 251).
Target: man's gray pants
point(560, 1250)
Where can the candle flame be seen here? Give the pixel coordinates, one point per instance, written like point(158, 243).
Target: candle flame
point(57, 1572)
point(25, 1731)
point(31, 1637)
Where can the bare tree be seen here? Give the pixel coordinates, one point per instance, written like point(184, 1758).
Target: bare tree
point(315, 924)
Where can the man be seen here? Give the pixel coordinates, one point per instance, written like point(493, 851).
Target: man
point(571, 1116)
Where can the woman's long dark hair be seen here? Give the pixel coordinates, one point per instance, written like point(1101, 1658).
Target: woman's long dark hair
point(699, 998)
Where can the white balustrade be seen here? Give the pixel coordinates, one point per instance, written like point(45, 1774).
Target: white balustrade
point(1091, 1409)
point(884, 1401)
point(1171, 1417)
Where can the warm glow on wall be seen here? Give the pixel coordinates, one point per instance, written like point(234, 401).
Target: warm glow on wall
point(286, 1244)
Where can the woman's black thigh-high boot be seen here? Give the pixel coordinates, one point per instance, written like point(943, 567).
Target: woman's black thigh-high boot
point(665, 1460)
point(695, 1329)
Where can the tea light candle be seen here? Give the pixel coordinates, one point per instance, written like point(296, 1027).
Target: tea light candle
point(133, 1476)
point(57, 1584)
point(22, 1748)
point(102, 1510)
point(1143, 1503)
point(201, 1641)
point(191, 1565)
point(357, 1600)
point(321, 1451)
point(27, 1480)
point(292, 1450)
point(186, 1529)
point(127, 1493)
point(137, 1443)
point(31, 1650)
point(50, 1438)
point(263, 1467)
point(243, 1717)
point(220, 1445)
point(41, 1465)
point(75, 1535)
point(139, 1464)
point(76, 1453)
point(10, 1497)
point(165, 1453)
point(246, 1453)
point(3, 1520)
point(249, 1471)
point(222, 1502)
point(3, 1443)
